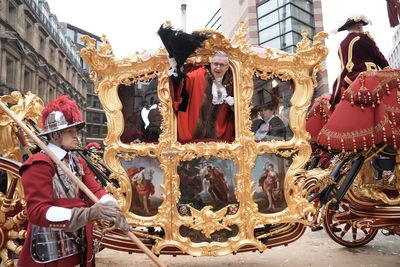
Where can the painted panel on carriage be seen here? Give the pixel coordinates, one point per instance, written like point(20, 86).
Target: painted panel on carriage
point(271, 106)
point(206, 182)
point(141, 112)
point(268, 177)
point(146, 178)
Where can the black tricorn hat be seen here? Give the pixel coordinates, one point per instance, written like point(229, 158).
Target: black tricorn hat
point(352, 21)
point(179, 44)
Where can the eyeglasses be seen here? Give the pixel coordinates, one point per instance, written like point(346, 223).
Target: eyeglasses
point(219, 65)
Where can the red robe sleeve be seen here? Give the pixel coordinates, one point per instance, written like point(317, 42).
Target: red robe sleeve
point(37, 176)
point(187, 121)
point(373, 51)
point(37, 179)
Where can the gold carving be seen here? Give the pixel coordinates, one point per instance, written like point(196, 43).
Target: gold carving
point(366, 186)
point(208, 221)
point(246, 62)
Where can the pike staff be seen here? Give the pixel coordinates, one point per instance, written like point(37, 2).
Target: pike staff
point(73, 178)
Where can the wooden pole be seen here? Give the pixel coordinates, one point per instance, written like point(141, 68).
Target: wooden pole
point(75, 179)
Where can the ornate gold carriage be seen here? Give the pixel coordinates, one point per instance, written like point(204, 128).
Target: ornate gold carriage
point(184, 208)
point(204, 197)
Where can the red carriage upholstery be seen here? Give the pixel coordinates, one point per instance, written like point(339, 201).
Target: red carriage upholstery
point(367, 115)
point(318, 116)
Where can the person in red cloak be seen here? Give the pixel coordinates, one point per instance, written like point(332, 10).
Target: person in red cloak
point(218, 188)
point(358, 52)
point(209, 113)
point(59, 214)
point(144, 188)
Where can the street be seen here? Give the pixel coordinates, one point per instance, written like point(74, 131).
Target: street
point(313, 249)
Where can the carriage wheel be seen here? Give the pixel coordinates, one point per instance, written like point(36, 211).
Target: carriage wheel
point(344, 232)
point(12, 215)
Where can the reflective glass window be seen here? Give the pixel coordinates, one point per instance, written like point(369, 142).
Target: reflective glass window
point(267, 7)
point(269, 33)
point(268, 20)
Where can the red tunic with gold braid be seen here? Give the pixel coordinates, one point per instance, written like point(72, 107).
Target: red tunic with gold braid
point(357, 52)
point(37, 179)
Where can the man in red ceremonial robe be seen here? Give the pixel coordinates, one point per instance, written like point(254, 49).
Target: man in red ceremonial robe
point(209, 113)
point(358, 52)
point(59, 215)
point(203, 98)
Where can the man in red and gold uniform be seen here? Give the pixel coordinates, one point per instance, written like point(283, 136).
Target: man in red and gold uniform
point(59, 228)
point(358, 52)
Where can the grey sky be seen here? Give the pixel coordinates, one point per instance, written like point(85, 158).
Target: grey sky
point(132, 25)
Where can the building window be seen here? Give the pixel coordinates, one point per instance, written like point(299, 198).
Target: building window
point(104, 132)
point(96, 102)
point(268, 20)
point(41, 88)
point(301, 15)
point(51, 93)
point(28, 30)
point(78, 38)
point(12, 14)
point(306, 5)
point(95, 131)
point(280, 23)
point(274, 43)
point(60, 62)
point(67, 73)
point(96, 117)
point(10, 72)
point(42, 44)
point(71, 34)
point(27, 81)
point(267, 7)
point(269, 33)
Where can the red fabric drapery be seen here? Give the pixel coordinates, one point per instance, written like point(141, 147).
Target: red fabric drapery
point(367, 115)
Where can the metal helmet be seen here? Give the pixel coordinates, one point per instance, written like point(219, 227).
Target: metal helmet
point(61, 114)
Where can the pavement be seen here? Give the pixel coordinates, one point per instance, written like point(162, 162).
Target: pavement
point(313, 249)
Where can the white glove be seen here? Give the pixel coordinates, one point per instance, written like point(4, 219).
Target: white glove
point(229, 100)
point(172, 67)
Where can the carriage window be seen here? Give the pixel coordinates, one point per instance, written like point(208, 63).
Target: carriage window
point(141, 112)
point(268, 176)
point(205, 106)
point(270, 113)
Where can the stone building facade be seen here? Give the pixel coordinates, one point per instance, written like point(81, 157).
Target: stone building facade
point(36, 56)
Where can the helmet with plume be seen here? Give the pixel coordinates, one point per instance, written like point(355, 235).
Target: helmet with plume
point(59, 114)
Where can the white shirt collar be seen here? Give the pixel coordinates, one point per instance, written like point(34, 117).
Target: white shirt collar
point(58, 151)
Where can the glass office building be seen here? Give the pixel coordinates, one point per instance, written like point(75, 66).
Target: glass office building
point(280, 23)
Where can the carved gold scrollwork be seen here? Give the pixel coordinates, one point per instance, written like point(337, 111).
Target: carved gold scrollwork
point(246, 62)
point(208, 221)
point(366, 186)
